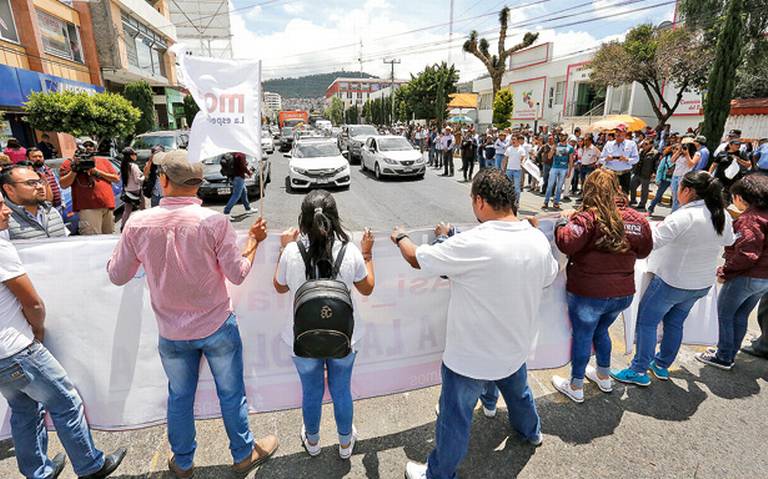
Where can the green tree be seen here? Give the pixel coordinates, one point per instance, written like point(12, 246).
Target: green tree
point(140, 95)
point(102, 115)
point(190, 109)
point(351, 115)
point(427, 94)
point(497, 64)
point(503, 105)
point(335, 111)
point(657, 59)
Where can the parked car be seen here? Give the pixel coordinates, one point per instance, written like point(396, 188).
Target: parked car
point(267, 143)
point(286, 139)
point(352, 139)
point(215, 184)
point(275, 131)
point(316, 162)
point(170, 140)
point(392, 156)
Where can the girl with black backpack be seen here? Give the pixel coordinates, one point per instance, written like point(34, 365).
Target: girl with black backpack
point(319, 265)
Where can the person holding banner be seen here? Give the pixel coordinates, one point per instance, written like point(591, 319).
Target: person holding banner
point(745, 272)
point(322, 237)
point(686, 247)
point(34, 383)
point(501, 258)
point(603, 240)
point(187, 252)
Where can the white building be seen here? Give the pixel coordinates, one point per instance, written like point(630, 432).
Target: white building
point(273, 101)
point(556, 90)
point(356, 91)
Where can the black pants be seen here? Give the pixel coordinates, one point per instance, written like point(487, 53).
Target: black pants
point(645, 184)
point(467, 167)
point(761, 344)
point(448, 162)
point(624, 181)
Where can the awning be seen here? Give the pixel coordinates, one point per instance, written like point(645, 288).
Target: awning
point(18, 83)
point(463, 100)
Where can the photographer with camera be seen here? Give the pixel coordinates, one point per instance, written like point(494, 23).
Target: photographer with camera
point(91, 179)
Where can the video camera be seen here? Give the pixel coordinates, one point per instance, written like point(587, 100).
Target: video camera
point(83, 161)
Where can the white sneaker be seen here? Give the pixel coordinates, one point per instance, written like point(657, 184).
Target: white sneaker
point(252, 211)
point(346, 452)
point(489, 413)
point(312, 449)
point(437, 409)
point(605, 385)
point(231, 217)
point(564, 386)
point(415, 471)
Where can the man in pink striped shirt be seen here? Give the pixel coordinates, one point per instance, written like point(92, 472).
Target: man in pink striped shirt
point(187, 252)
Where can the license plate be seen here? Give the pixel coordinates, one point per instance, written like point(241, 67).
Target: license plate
point(407, 170)
point(224, 191)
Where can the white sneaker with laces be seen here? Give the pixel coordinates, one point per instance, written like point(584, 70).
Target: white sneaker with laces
point(564, 386)
point(415, 471)
point(346, 452)
point(489, 413)
point(605, 385)
point(312, 449)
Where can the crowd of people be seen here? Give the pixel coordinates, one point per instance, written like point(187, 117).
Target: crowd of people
point(505, 256)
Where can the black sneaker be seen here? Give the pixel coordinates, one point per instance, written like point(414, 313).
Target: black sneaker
point(59, 461)
point(111, 463)
point(710, 359)
point(753, 351)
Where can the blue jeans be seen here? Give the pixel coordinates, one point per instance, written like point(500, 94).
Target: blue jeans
point(239, 195)
point(155, 200)
point(584, 171)
point(432, 155)
point(312, 374)
point(662, 303)
point(663, 185)
point(590, 320)
point(545, 169)
point(514, 176)
point(33, 382)
point(675, 186)
point(738, 297)
point(181, 361)
point(499, 158)
point(458, 397)
point(556, 180)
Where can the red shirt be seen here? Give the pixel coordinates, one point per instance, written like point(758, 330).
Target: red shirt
point(597, 273)
point(748, 256)
point(48, 175)
point(88, 192)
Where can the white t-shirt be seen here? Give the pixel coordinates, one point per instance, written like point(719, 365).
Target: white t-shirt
point(497, 272)
point(292, 273)
point(589, 156)
point(15, 331)
point(515, 154)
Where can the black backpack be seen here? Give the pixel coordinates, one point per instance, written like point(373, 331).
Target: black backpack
point(227, 166)
point(323, 320)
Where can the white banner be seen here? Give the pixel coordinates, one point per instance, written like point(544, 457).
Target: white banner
point(106, 336)
point(228, 93)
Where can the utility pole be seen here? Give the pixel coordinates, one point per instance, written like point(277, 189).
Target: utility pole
point(450, 33)
point(359, 92)
point(392, 62)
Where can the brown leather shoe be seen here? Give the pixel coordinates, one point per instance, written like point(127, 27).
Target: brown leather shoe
point(178, 472)
point(262, 450)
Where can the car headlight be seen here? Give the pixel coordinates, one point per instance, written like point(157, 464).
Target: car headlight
point(389, 161)
point(300, 171)
point(340, 169)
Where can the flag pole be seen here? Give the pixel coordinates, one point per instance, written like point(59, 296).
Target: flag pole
point(261, 152)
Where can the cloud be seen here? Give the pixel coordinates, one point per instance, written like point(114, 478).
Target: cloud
point(253, 14)
point(293, 8)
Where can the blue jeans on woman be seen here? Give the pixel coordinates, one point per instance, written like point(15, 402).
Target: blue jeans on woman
point(590, 320)
point(499, 158)
point(662, 303)
point(239, 195)
point(181, 361)
point(662, 188)
point(555, 184)
point(738, 297)
point(514, 177)
point(312, 374)
point(458, 397)
point(675, 184)
point(33, 382)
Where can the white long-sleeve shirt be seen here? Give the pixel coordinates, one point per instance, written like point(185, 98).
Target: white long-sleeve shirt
point(627, 148)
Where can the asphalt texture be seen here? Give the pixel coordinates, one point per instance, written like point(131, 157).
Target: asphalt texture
point(702, 423)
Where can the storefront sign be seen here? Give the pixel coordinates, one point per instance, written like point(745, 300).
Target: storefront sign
point(17, 84)
point(529, 98)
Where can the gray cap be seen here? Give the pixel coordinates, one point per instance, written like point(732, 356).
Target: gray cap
point(701, 139)
point(178, 169)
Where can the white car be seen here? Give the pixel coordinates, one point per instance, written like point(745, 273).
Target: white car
point(267, 142)
point(392, 156)
point(316, 163)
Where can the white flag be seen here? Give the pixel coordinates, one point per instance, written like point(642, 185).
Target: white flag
point(229, 96)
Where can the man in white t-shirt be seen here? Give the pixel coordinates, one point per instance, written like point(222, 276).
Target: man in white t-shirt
point(486, 343)
point(33, 382)
point(513, 164)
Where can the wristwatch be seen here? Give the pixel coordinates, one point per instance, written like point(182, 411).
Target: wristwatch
point(400, 238)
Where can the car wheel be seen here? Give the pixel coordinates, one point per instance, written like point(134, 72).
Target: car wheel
point(420, 177)
point(288, 188)
point(377, 171)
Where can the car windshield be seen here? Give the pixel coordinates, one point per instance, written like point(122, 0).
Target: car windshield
point(315, 150)
point(266, 134)
point(362, 130)
point(147, 142)
point(394, 144)
point(287, 131)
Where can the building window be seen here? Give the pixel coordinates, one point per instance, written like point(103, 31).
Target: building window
point(359, 95)
point(7, 25)
point(60, 38)
point(146, 49)
point(349, 95)
point(559, 92)
point(342, 86)
point(486, 101)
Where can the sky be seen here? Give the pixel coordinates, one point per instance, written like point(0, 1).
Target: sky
point(299, 37)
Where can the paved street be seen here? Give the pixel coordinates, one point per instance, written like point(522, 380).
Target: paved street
point(703, 423)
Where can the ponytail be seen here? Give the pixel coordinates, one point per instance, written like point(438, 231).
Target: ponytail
point(709, 189)
point(319, 221)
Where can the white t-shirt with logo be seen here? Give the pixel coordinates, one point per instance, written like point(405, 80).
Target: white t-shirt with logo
point(498, 272)
point(515, 155)
point(292, 273)
point(15, 331)
point(589, 156)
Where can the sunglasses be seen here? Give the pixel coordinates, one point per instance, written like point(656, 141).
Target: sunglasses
point(30, 183)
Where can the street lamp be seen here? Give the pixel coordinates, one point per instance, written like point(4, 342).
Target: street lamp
point(536, 121)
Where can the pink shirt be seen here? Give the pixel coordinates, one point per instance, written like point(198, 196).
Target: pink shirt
point(16, 156)
point(187, 251)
